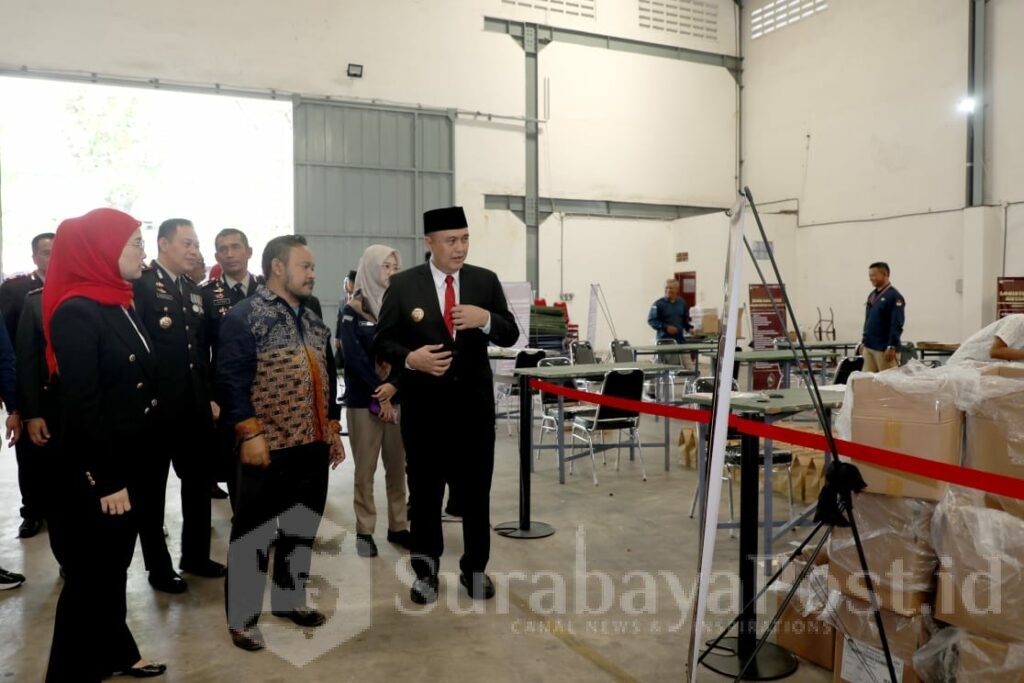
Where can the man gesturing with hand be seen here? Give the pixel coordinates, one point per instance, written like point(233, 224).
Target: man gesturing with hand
point(436, 322)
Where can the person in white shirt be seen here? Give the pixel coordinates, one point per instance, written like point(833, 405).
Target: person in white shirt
point(1002, 340)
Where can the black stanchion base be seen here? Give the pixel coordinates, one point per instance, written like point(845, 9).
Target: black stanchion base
point(535, 530)
point(772, 662)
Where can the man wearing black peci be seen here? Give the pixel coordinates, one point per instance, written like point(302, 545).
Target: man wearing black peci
point(436, 321)
point(171, 308)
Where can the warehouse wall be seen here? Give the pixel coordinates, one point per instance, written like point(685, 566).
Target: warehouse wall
point(622, 127)
point(851, 115)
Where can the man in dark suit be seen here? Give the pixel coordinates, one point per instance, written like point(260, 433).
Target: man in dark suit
point(12, 301)
point(436, 321)
point(38, 405)
point(220, 294)
point(171, 308)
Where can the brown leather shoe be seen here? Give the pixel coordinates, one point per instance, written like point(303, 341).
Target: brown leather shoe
point(249, 639)
point(306, 617)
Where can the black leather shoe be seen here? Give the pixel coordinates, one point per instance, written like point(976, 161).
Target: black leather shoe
point(401, 538)
point(29, 528)
point(168, 583)
point(308, 618)
point(148, 671)
point(249, 639)
point(480, 587)
point(365, 545)
point(217, 493)
point(424, 591)
point(205, 568)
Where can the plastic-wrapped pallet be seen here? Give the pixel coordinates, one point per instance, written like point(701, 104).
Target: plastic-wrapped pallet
point(979, 539)
point(954, 655)
point(896, 533)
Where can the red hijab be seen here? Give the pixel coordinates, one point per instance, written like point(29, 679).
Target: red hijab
point(86, 252)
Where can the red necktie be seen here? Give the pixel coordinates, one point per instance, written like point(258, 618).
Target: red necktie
point(449, 303)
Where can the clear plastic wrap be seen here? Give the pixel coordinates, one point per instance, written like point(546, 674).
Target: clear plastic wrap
point(896, 533)
point(809, 599)
point(853, 618)
point(954, 655)
point(994, 404)
point(979, 539)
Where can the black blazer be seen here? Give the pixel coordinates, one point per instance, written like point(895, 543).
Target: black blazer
point(108, 394)
point(12, 299)
point(411, 317)
point(35, 399)
point(180, 346)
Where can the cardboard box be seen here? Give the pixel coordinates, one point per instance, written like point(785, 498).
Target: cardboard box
point(995, 426)
point(926, 425)
point(800, 628)
point(980, 541)
point(987, 660)
point(896, 534)
point(859, 657)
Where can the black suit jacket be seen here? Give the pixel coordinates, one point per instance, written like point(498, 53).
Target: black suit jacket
point(108, 394)
point(218, 299)
point(411, 317)
point(12, 299)
point(35, 399)
point(181, 353)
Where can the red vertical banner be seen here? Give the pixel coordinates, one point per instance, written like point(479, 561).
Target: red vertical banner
point(767, 326)
point(1009, 296)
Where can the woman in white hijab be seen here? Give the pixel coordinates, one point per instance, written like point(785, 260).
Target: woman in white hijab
point(371, 397)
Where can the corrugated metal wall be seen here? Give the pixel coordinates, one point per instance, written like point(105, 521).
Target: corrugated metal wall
point(364, 175)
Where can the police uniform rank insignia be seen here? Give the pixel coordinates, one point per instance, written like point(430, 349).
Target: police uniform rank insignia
point(417, 315)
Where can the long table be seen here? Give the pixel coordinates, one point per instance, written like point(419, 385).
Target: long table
point(525, 527)
point(784, 358)
point(768, 407)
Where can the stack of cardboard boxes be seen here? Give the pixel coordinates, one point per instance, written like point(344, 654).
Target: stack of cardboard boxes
point(976, 541)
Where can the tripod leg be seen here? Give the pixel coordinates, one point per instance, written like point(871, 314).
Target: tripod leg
point(785, 603)
point(795, 554)
point(848, 500)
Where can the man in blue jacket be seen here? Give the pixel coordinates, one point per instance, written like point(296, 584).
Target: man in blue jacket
point(670, 315)
point(883, 321)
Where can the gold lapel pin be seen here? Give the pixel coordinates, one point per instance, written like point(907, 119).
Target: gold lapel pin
point(165, 322)
point(417, 315)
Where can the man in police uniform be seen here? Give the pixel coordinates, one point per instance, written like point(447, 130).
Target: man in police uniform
point(235, 283)
point(171, 308)
point(12, 301)
point(436, 321)
point(883, 321)
point(670, 315)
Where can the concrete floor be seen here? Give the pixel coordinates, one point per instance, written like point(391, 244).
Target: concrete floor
point(544, 624)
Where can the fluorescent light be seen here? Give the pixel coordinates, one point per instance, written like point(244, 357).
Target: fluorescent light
point(966, 105)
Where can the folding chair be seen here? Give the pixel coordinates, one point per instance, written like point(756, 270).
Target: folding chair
point(526, 358)
point(582, 353)
point(676, 359)
point(627, 384)
point(549, 404)
point(622, 352)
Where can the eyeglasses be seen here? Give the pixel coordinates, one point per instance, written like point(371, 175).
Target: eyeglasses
point(138, 244)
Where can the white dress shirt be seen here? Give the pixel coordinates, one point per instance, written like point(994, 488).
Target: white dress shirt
point(439, 286)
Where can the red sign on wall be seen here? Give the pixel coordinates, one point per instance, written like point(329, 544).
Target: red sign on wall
point(1009, 296)
point(767, 327)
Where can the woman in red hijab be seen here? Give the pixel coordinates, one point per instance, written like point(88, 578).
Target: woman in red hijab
point(102, 367)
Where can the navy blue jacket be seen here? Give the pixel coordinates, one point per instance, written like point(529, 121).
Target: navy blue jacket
point(361, 378)
point(883, 319)
point(663, 313)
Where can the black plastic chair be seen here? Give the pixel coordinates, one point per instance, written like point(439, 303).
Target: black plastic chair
point(846, 367)
point(526, 358)
point(622, 352)
point(627, 384)
point(582, 353)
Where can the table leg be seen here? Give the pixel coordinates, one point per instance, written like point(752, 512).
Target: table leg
point(525, 527)
point(560, 440)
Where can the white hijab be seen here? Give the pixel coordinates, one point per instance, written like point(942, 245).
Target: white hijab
point(369, 286)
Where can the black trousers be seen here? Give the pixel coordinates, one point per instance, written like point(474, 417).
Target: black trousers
point(444, 444)
point(284, 501)
point(90, 636)
point(151, 492)
point(32, 478)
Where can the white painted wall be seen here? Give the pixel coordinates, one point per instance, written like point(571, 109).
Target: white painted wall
point(851, 115)
point(622, 126)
